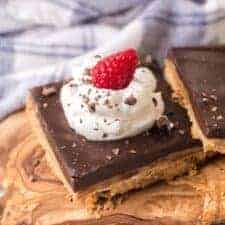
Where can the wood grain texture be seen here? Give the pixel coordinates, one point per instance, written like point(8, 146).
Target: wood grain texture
point(36, 197)
point(121, 219)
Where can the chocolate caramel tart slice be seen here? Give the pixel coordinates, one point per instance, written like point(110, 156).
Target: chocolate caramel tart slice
point(105, 170)
point(197, 76)
point(34, 194)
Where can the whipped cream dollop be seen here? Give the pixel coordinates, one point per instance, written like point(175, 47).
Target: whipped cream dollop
point(103, 114)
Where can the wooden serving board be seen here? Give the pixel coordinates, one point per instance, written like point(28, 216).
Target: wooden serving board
point(188, 200)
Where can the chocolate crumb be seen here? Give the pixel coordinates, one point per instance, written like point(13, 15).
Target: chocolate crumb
point(220, 117)
point(47, 91)
point(109, 157)
point(131, 100)
point(74, 145)
point(116, 151)
point(106, 102)
point(154, 101)
point(163, 123)
point(105, 135)
point(81, 121)
point(204, 94)
point(214, 97)
point(182, 132)
point(205, 99)
point(45, 105)
point(133, 151)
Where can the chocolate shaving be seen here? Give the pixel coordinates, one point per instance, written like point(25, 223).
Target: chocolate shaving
point(91, 107)
point(106, 102)
point(87, 71)
point(97, 56)
point(89, 91)
point(116, 151)
point(131, 100)
point(164, 124)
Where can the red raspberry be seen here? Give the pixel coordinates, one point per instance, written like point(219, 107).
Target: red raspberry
point(115, 71)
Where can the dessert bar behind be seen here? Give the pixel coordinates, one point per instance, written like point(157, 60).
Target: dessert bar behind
point(197, 76)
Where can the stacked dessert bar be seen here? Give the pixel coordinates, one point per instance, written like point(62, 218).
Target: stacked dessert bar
point(101, 139)
point(197, 76)
point(100, 171)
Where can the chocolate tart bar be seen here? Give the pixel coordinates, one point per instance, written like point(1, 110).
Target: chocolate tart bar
point(34, 194)
point(197, 76)
point(105, 170)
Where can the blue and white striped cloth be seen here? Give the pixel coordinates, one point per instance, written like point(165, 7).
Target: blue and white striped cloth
point(41, 40)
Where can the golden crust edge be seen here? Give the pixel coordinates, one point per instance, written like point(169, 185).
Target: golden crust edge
point(32, 113)
point(181, 94)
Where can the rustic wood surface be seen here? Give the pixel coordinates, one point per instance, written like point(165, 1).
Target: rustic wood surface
point(34, 195)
